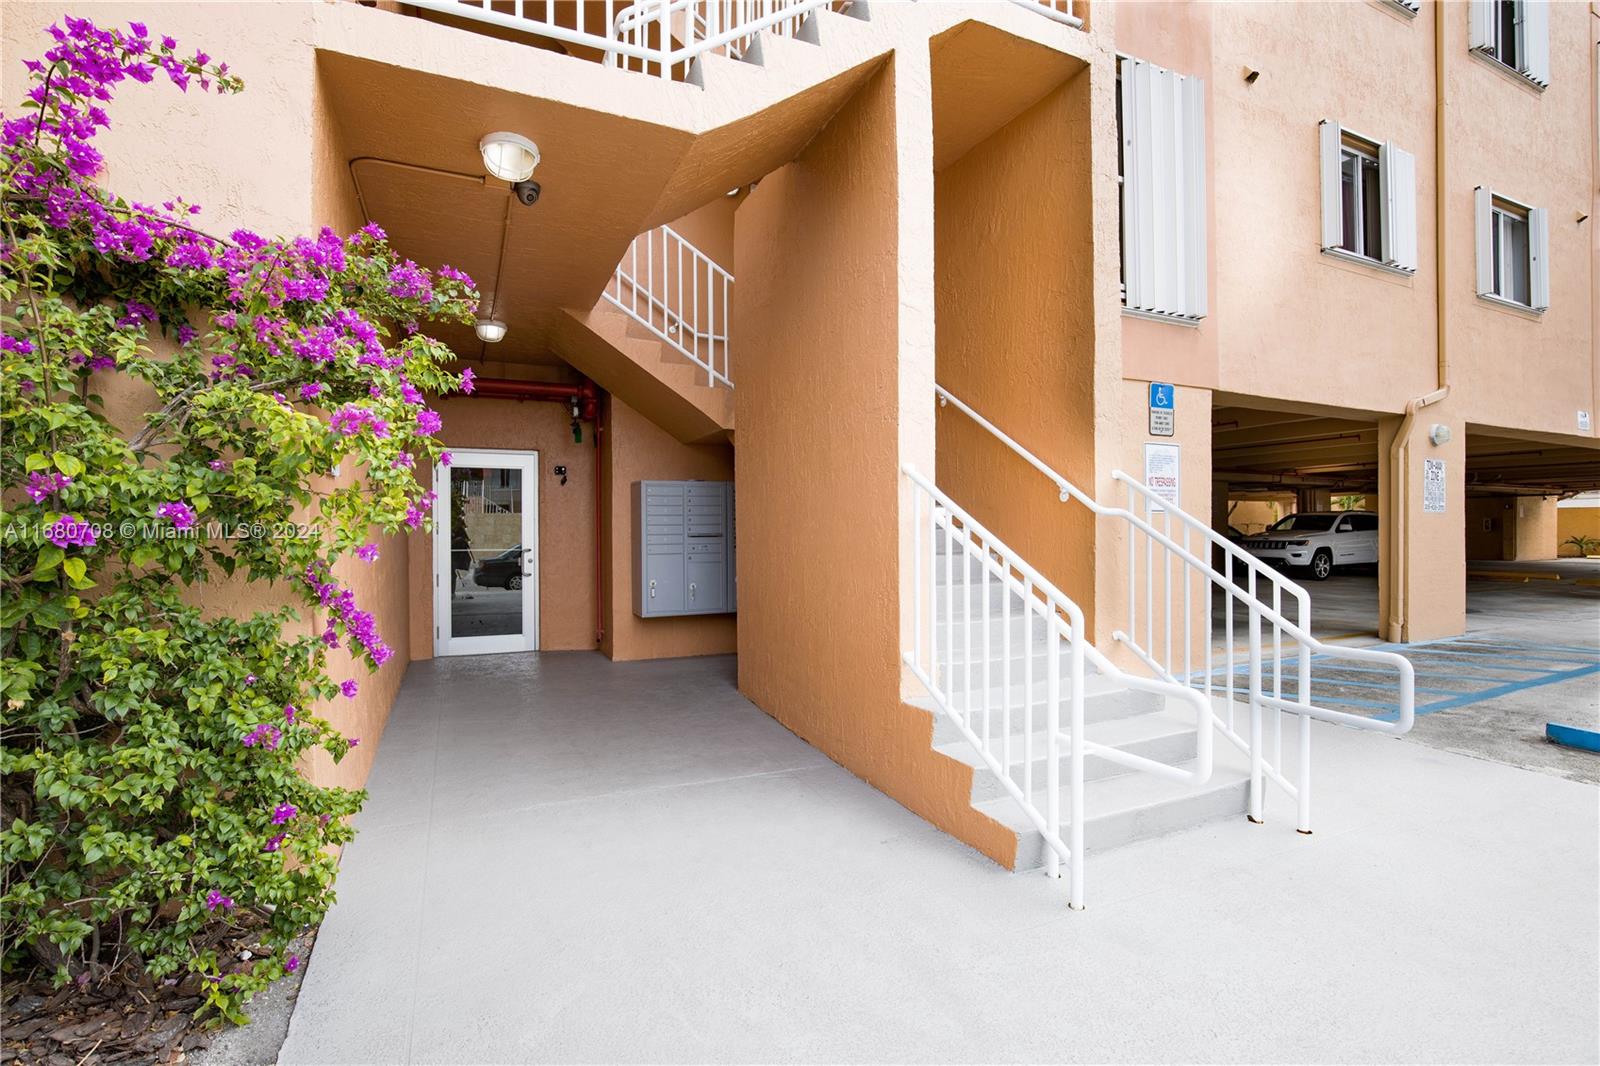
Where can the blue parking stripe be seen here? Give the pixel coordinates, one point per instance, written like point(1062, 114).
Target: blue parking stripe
point(1567, 660)
point(1510, 688)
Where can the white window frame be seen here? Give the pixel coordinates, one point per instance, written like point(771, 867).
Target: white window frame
point(1530, 46)
point(1396, 205)
point(1492, 210)
point(1162, 172)
point(1351, 150)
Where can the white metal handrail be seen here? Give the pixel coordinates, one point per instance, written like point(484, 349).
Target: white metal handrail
point(963, 687)
point(678, 293)
point(725, 27)
point(1163, 662)
point(661, 38)
point(1063, 11)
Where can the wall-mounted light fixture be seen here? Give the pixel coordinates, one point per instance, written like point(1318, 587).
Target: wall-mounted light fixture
point(509, 156)
point(1439, 434)
point(490, 330)
point(1250, 76)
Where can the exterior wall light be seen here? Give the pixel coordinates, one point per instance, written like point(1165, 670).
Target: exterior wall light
point(1439, 434)
point(490, 330)
point(509, 156)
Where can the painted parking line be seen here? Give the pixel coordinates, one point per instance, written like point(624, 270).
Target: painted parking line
point(1478, 670)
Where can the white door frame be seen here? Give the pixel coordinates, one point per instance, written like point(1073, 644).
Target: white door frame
point(493, 458)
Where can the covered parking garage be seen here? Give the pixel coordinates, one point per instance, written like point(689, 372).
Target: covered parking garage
point(1269, 463)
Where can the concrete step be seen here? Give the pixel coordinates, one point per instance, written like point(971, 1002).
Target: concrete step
point(1125, 808)
point(1161, 736)
point(1103, 701)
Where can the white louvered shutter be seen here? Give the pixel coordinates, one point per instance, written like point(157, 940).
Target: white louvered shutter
point(1536, 39)
point(1397, 180)
point(1481, 23)
point(1539, 255)
point(1163, 191)
point(1483, 223)
point(1194, 187)
point(1332, 192)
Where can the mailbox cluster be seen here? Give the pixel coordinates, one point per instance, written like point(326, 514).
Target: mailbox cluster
point(683, 561)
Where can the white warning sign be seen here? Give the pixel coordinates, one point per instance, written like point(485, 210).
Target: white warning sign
point(1161, 472)
point(1433, 486)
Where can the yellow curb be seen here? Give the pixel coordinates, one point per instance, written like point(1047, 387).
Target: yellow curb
point(1515, 575)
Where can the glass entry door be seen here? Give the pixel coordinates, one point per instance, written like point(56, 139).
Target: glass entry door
point(486, 553)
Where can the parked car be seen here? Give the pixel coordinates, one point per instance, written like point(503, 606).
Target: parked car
point(1318, 541)
point(503, 571)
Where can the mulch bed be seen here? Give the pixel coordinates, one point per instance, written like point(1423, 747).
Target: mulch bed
point(111, 1021)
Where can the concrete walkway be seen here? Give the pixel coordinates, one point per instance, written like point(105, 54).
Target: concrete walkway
point(567, 860)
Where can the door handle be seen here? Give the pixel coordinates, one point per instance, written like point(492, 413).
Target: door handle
point(691, 590)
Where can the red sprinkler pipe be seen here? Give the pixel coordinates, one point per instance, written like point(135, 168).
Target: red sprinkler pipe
point(585, 393)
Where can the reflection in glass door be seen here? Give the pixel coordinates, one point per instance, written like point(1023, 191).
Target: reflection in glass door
point(486, 553)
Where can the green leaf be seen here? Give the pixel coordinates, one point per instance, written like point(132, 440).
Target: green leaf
point(69, 465)
point(74, 568)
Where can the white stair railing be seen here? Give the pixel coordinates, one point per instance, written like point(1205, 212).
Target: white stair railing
point(954, 654)
point(1162, 608)
point(1063, 11)
point(661, 38)
point(674, 290)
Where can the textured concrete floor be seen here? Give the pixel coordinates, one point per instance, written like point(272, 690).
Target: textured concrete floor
point(566, 860)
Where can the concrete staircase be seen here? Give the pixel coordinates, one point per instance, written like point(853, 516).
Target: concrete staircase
point(626, 359)
point(1120, 805)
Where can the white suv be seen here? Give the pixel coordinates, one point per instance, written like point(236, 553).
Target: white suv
point(1319, 540)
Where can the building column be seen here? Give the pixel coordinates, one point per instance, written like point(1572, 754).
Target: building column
point(1422, 546)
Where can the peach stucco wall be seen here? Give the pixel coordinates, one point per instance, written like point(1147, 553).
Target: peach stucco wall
point(818, 403)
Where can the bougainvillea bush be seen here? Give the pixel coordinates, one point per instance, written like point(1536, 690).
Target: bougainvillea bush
point(152, 798)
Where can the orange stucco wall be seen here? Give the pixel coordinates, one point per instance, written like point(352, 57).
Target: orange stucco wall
point(635, 449)
point(818, 406)
point(1576, 522)
point(1015, 330)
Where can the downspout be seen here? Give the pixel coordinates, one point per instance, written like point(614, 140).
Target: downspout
point(1400, 447)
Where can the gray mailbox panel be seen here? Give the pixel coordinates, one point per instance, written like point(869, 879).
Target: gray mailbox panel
point(683, 548)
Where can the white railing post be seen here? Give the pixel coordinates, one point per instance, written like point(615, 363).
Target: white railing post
point(1052, 732)
point(1075, 717)
point(1256, 759)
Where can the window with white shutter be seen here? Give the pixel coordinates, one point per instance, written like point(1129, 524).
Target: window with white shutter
point(1161, 119)
point(1369, 198)
point(1513, 244)
point(1515, 34)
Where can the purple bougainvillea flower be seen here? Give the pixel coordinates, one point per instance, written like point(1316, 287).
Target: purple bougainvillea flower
point(249, 679)
point(181, 515)
point(429, 422)
point(468, 380)
point(354, 741)
point(42, 485)
point(70, 530)
point(265, 734)
point(445, 458)
point(275, 843)
point(350, 688)
point(284, 812)
point(289, 712)
point(217, 901)
point(367, 553)
point(291, 964)
point(218, 464)
point(311, 391)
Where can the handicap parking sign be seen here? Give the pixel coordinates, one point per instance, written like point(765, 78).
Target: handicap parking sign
point(1163, 405)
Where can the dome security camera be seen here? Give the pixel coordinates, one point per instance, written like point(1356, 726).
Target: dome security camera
point(526, 191)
